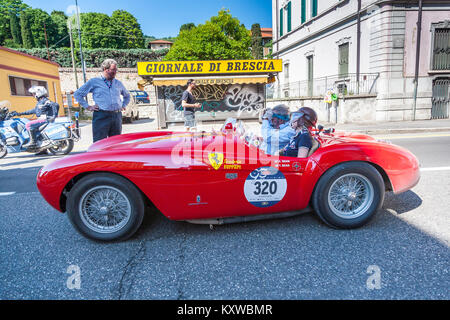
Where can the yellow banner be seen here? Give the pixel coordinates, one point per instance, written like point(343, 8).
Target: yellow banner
point(167, 68)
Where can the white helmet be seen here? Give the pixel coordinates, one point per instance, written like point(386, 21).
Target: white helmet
point(38, 91)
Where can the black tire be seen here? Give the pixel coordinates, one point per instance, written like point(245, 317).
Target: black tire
point(3, 150)
point(127, 201)
point(137, 116)
point(356, 185)
point(64, 148)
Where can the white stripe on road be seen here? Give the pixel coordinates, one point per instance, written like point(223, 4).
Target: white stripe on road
point(2, 194)
point(435, 169)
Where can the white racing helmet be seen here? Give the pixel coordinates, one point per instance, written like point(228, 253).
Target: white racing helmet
point(38, 91)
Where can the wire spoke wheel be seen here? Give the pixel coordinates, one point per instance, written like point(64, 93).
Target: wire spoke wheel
point(105, 209)
point(350, 196)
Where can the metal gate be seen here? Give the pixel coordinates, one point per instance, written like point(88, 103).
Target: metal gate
point(440, 99)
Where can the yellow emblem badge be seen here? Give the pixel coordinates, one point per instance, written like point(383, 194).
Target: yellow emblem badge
point(216, 159)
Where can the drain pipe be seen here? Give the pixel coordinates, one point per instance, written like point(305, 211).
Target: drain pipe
point(416, 75)
point(358, 47)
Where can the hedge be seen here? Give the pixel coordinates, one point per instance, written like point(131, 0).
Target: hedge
point(126, 58)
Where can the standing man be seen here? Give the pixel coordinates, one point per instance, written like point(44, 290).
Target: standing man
point(106, 92)
point(189, 105)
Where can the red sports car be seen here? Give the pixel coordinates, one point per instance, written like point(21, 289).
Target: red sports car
point(223, 177)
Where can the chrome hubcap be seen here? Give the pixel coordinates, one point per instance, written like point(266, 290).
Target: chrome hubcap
point(350, 196)
point(105, 209)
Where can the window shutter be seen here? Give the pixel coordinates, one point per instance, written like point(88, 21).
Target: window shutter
point(289, 24)
point(281, 22)
point(303, 11)
point(314, 8)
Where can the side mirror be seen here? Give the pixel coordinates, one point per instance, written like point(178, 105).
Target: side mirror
point(319, 128)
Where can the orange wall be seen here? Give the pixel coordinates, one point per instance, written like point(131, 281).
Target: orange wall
point(13, 63)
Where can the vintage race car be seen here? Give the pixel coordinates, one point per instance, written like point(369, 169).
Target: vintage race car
point(223, 177)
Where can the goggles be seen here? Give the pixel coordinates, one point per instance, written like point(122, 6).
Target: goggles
point(281, 117)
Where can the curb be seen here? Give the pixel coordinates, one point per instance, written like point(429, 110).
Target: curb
point(396, 130)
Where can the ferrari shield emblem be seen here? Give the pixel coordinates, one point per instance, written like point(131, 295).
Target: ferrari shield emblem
point(216, 159)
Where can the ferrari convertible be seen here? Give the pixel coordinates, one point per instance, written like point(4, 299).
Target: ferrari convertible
point(223, 177)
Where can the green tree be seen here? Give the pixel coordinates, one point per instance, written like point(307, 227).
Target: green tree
point(38, 19)
point(128, 30)
point(60, 21)
point(15, 28)
point(222, 37)
point(97, 31)
point(7, 7)
point(187, 26)
point(257, 48)
point(27, 37)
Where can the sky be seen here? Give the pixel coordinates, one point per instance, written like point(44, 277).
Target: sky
point(163, 18)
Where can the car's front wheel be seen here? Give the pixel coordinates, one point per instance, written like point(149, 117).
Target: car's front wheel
point(105, 207)
point(349, 195)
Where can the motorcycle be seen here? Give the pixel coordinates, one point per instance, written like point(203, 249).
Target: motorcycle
point(56, 138)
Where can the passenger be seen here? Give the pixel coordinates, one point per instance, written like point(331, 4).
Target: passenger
point(276, 130)
point(302, 121)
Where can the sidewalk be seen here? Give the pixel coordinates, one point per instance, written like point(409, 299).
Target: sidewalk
point(397, 127)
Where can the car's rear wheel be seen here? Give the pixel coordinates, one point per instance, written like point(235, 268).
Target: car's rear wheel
point(349, 195)
point(105, 207)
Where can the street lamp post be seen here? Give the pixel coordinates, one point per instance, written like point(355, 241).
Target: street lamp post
point(79, 39)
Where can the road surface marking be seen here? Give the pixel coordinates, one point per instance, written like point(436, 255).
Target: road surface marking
point(435, 169)
point(2, 194)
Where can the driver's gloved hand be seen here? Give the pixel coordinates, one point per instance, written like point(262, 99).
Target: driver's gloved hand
point(14, 113)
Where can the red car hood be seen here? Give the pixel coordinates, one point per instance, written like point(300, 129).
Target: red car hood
point(147, 140)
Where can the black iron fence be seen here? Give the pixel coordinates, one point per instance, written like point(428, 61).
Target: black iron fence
point(346, 85)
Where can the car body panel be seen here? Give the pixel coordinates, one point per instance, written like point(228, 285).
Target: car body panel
point(190, 176)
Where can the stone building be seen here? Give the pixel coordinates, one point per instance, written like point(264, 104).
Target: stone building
point(368, 52)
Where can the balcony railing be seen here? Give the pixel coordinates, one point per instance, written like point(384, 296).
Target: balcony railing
point(346, 85)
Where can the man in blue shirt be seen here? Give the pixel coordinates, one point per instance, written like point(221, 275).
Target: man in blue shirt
point(276, 130)
point(106, 92)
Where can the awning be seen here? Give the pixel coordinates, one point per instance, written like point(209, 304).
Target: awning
point(211, 80)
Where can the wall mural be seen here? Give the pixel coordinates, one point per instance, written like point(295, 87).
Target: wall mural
point(238, 99)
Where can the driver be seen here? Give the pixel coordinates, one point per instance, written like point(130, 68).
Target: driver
point(43, 107)
point(302, 121)
point(276, 130)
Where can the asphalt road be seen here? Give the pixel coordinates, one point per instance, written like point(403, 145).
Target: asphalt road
point(402, 254)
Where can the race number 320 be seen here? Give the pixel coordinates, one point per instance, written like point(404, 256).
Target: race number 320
point(265, 187)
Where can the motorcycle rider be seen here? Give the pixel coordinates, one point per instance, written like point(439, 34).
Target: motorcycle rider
point(276, 130)
point(44, 106)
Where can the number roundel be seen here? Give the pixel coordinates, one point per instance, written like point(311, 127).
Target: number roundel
point(265, 187)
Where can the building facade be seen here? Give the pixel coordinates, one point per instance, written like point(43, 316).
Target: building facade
point(160, 44)
point(386, 60)
point(19, 72)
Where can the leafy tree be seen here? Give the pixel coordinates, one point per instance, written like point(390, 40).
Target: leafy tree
point(7, 6)
point(187, 26)
point(128, 30)
point(96, 31)
point(222, 37)
point(15, 28)
point(27, 37)
point(257, 49)
point(269, 45)
point(60, 20)
point(39, 18)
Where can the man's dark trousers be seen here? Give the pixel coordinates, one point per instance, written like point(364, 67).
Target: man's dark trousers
point(106, 124)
